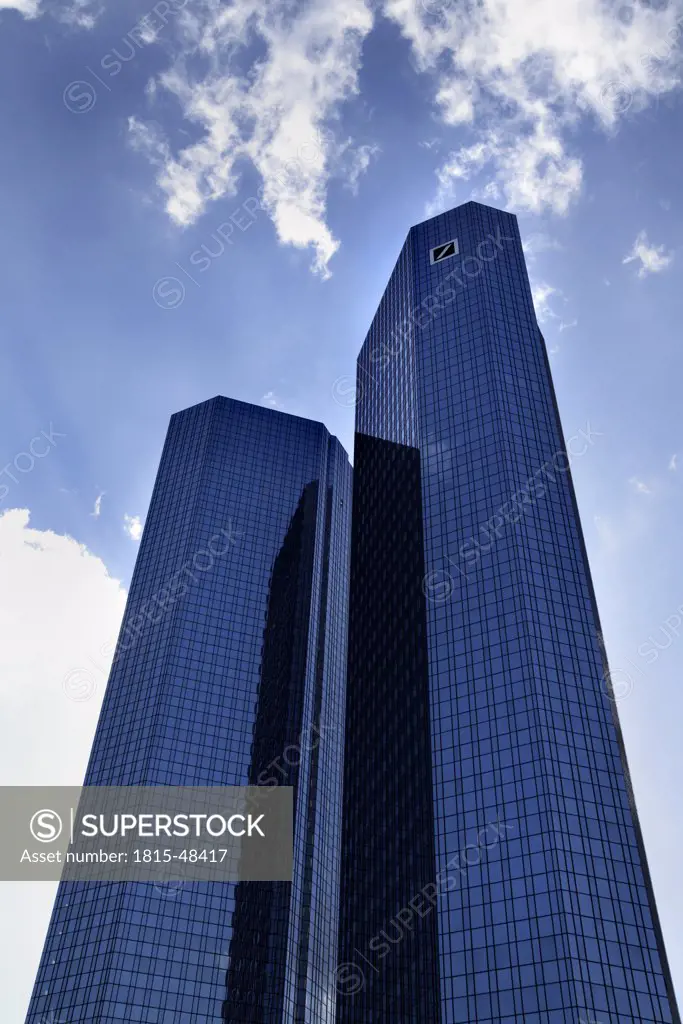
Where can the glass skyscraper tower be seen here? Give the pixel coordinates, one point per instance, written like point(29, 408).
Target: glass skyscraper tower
point(493, 867)
point(230, 670)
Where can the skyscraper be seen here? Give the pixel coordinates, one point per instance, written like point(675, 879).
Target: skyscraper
point(493, 867)
point(229, 670)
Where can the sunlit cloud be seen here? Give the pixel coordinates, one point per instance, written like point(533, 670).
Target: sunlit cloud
point(652, 258)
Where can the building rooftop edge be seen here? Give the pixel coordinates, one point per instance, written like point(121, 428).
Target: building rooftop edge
point(265, 409)
point(461, 206)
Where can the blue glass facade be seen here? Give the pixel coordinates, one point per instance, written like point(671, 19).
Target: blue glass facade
point(493, 868)
point(230, 670)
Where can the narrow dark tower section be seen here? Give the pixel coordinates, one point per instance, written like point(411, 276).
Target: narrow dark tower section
point(388, 818)
point(493, 730)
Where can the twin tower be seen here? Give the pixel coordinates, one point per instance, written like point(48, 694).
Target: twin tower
point(422, 633)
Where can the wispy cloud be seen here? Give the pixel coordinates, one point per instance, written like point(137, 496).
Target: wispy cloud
point(652, 258)
point(271, 399)
point(639, 486)
point(521, 79)
point(541, 293)
point(673, 463)
point(607, 533)
point(358, 162)
point(539, 242)
point(98, 506)
point(133, 526)
point(274, 112)
point(29, 8)
point(79, 13)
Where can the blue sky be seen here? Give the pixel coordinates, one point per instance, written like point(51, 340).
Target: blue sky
point(312, 137)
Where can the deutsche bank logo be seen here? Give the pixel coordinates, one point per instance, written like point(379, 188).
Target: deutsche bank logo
point(442, 252)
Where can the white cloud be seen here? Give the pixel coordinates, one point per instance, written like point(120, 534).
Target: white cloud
point(133, 526)
point(271, 399)
point(639, 486)
point(653, 258)
point(59, 609)
point(538, 242)
point(567, 327)
point(79, 13)
point(273, 113)
point(532, 170)
point(58, 606)
point(29, 8)
point(359, 160)
point(607, 533)
point(98, 506)
point(541, 293)
point(521, 77)
point(673, 463)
